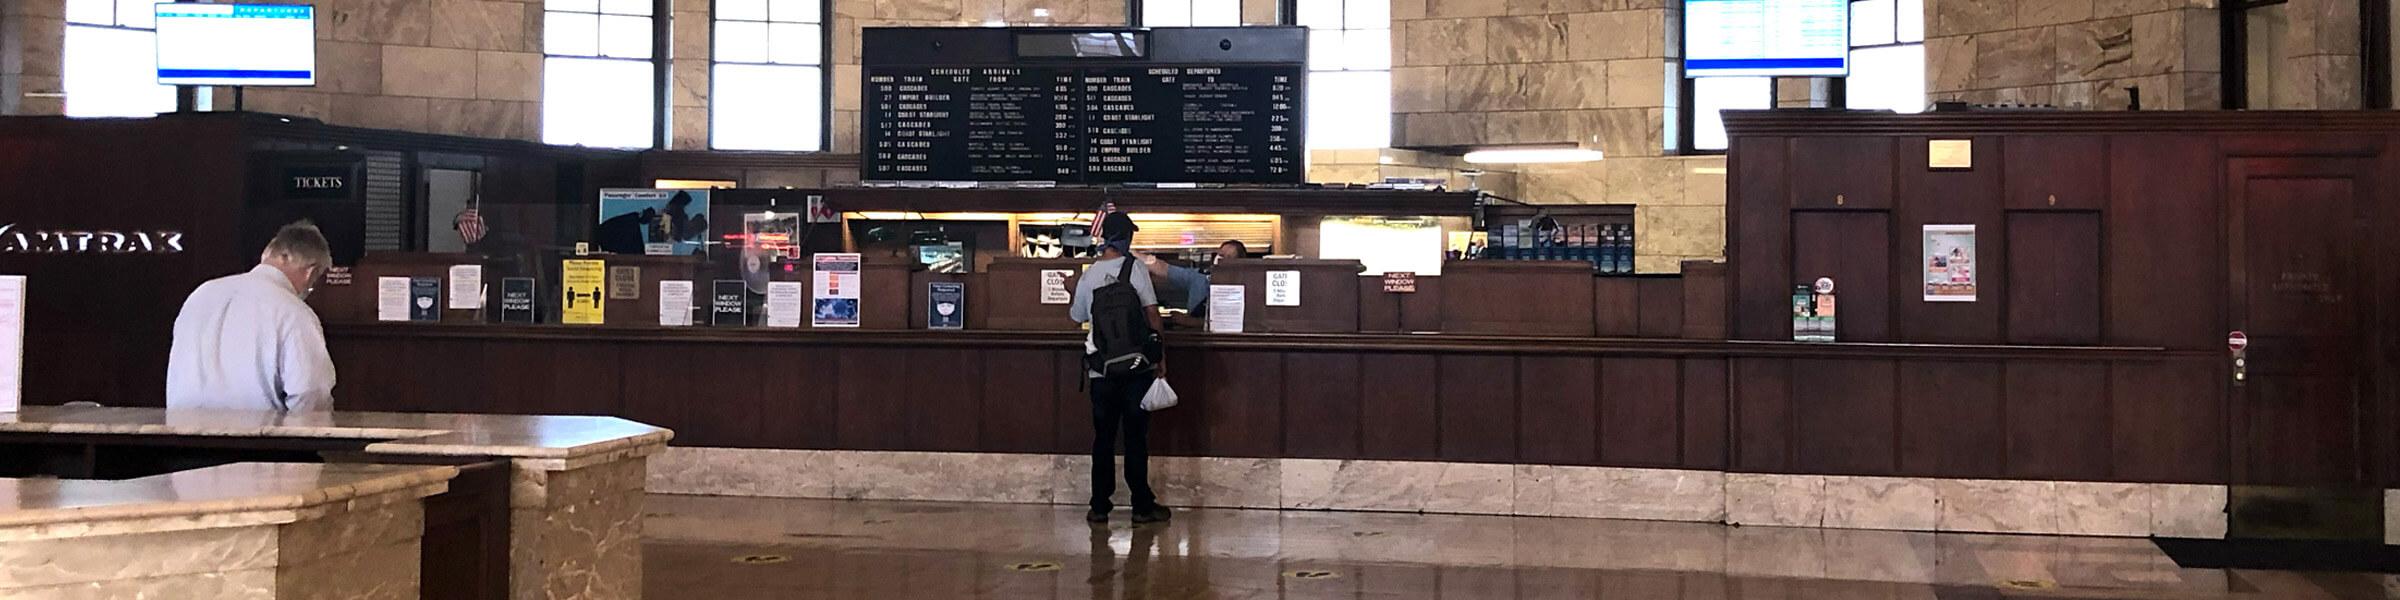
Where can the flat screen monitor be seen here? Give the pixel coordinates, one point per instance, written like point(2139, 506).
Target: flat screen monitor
point(1766, 38)
point(237, 44)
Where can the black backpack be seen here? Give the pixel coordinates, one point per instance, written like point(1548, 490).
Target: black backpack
point(1121, 335)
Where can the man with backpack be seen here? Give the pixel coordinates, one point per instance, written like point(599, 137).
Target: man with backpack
point(1122, 356)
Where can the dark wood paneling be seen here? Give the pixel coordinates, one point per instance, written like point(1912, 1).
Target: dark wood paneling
point(1329, 295)
point(1021, 399)
point(1397, 407)
point(1662, 307)
point(1015, 298)
point(2055, 172)
point(2167, 421)
point(1762, 414)
point(1477, 408)
point(1379, 312)
point(1758, 240)
point(1947, 197)
point(1321, 405)
point(1844, 416)
point(1704, 300)
point(2054, 278)
point(675, 388)
point(569, 381)
point(1241, 406)
point(870, 405)
point(1074, 410)
point(1854, 249)
point(945, 400)
point(1641, 409)
point(1556, 409)
point(1706, 413)
point(2058, 420)
point(799, 396)
point(2164, 249)
point(1617, 306)
point(1518, 297)
point(1947, 415)
point(1861, 180)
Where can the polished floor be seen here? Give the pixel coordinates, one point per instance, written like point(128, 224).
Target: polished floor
point(745, 549)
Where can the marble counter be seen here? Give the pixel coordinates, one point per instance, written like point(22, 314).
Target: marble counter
point(249, 492)
point(554, 438)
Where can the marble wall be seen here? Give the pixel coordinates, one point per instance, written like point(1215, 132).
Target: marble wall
point(2305, 55)
point(1679, 202)
point(33, 39)
point(1480, 72)
point(576, 533)
point(1880, 503)
point(458, 67)
point(2075, 53)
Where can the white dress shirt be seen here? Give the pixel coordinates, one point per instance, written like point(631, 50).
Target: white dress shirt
point(248, 342)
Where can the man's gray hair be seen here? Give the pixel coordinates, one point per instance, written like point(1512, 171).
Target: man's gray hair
point(301, 242)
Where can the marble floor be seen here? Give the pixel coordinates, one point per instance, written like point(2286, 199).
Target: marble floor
point(750, 548)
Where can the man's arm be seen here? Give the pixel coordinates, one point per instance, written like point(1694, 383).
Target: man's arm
point(306, 371)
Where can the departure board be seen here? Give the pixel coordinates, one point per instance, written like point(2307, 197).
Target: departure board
point(1071, 119)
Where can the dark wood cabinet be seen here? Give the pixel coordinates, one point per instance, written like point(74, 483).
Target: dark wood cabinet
point(2055, 172)
point(1841, 172)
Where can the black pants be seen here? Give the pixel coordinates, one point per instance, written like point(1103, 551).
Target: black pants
point(1117, 404)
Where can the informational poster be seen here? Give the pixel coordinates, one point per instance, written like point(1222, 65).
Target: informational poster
point(579, 299)
point(783, 303)
point(516, 300)
point(12, 342)
point(624, 282)
point(1283, 288)
point(424, 298)
point(674, 303)
point(391, 298)
point(836, 300)
point(945, 305)
point(1949, 263)
point(1054, 286)
point(631, 221)
point(1225, 304)
point(466, 287)
point(728, 303)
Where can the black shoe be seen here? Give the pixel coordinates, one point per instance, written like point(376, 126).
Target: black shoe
point(1156, 514)
point(1097, 515)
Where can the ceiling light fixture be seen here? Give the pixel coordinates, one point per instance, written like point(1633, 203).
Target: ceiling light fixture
point(1534, 155)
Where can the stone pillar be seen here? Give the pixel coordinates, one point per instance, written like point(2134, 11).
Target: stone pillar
point(688, 65)
point(33, 39)
point(1804, 92)
point(575, 526)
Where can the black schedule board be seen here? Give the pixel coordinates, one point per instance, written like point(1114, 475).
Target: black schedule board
point(1147, 114)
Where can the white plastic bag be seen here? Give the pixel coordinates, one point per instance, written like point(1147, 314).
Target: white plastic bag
point(1160, 397)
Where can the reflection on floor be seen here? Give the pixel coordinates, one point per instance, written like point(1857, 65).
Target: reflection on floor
point(743, 549)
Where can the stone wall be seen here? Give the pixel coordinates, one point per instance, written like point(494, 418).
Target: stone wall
point(458, 67)
point(2308, 59)
point(33, 36)
point(1477, 72)
point(2074, 53)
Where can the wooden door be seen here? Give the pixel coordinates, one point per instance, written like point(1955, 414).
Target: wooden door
point(2297, 240)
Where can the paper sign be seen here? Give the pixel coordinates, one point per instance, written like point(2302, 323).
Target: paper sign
point(783, 303)
point(674, 303)
point(1949, 263)
point(516, 300)
point(579, 301)
point(945, 305)
point(1283, 288)
point(12, 342)
point(391, 298)
point(338, 275)
point(1399, 282)
point(424, 298)
point(1225, 304)
point(466, 287)
point(1054, 286)
point(728, 303)
point(836, 297)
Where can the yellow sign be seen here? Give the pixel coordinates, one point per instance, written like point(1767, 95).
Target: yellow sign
point(1950, 154)
point(581, 301)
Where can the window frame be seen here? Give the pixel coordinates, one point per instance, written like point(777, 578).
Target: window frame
point(1290, 16)
point(116, 22)
point(825, 83)
point(1840, 94)
point(1139, 17)
point(661, 21)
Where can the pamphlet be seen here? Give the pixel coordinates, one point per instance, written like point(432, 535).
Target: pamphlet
point(391, 298)
point(579, 300)
point(783, 303)
point(945, 305)
point(424, 298)
point(837, 291)
point(1283, 288)
point(466, 287)
point(728, 302)
point(1949, 263)
point(1225, 304)
point(12, 342)
point(1054, 286)
point(516, 300)
point(674, 303)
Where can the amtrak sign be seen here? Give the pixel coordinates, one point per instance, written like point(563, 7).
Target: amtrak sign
point(21, 240)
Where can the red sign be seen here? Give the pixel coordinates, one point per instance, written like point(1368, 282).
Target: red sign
point(2236, 341)
point(1399, 282)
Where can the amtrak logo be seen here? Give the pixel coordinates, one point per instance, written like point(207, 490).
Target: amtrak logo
point(22, 241)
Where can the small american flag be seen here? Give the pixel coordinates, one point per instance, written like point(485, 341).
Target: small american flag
point(470, 225)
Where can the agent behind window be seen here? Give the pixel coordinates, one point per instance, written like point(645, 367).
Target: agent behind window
point(1121, 355)
point(1189, 284)
point(249, 341)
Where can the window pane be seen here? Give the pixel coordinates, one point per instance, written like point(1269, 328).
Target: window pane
point(741, 41)
point(1367, 14)
point(1870, 22)
point(761, 107)
point(137, 13)
point(113, 73)
point(624, 37)
point(1325, 50)
point(1350, 109)
point(1891, 77)
point(572, 5)
point(625, 7)
point(1912, 20)
point(1321, 13)
point(2264, 27)
point(1368, 49)
point(1713, 94)
point(795, 11)
point(92, 12)
point(795, 43)
point(596, 102)
point(746, 10)
point(1167, 13)
point(1217, 13)
point(572, 34)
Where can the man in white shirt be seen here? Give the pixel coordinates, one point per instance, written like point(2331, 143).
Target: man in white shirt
point(249, 341)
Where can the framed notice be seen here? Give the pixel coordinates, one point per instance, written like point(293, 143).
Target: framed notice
point(836, 300)
point(580, 300)
point(516, 300)
point(945, 305)
point(1949, 263)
